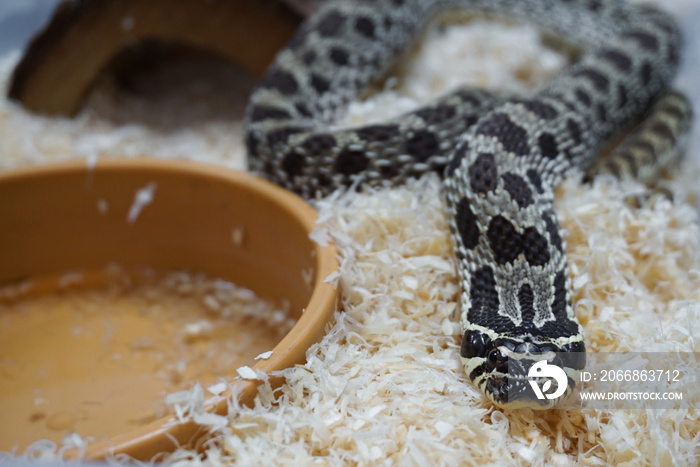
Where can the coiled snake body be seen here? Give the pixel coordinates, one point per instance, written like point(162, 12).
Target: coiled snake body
point(501, 158)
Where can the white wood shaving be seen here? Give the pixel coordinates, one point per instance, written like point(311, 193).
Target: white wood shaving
point(71, 278)
point(142, 198)
point(308, 276)
point(212, 303)
point(187, 403)
point(91, 162)
point(332, 278)
point(217, 388)
point(102, 206)
point(197, 330)
point(246, 372)
point(264, 355)
point(213, 421)
point(238, 235)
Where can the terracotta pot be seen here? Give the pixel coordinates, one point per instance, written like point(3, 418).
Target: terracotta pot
point(227, 224)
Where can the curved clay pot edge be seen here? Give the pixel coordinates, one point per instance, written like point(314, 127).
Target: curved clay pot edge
point(164, 435)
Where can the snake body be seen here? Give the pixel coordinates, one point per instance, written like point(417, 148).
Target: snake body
point(501, 157)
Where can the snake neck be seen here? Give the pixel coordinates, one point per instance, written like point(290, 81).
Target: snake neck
point(512, 260)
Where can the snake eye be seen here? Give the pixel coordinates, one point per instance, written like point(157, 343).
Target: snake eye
point(496, 359)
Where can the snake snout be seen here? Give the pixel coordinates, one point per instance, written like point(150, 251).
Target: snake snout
point(505, 368)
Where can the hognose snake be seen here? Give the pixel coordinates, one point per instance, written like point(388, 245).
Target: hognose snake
point(501, 157)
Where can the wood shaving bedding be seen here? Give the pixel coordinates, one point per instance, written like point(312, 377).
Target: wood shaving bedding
point(385, 386)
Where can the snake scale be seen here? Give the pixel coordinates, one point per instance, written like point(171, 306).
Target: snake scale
point(500, 157)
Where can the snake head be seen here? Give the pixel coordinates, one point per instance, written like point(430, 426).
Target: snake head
point(523, 371)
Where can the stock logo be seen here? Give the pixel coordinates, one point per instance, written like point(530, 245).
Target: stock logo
point(542, 369)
